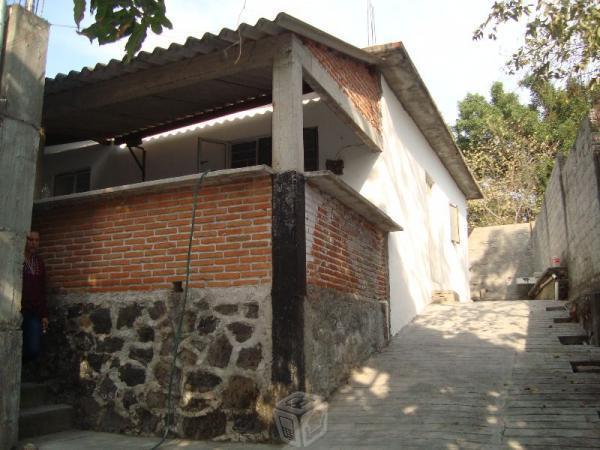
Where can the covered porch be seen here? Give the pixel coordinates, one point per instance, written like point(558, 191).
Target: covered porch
point(272, 63)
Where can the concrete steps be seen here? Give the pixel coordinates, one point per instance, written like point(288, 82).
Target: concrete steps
point(39, 416)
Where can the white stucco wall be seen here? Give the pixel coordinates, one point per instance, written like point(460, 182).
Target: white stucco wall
point(169, 156)
point(422, 257)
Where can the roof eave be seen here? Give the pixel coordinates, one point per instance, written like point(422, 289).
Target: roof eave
point(308, 31)
point(408, 86)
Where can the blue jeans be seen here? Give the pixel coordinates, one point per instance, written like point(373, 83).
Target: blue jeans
point(32, 336)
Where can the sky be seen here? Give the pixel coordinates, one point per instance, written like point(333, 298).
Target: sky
point(436, 33)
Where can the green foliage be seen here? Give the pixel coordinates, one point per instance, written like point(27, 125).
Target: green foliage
point(117, 19)
point(480, 122)
point(562, 37)
point(561, 110)
point(510, 147)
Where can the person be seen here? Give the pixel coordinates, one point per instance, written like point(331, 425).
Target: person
point(34, 308)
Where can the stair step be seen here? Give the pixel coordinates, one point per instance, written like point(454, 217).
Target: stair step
point(45, 419)
point(33, 394)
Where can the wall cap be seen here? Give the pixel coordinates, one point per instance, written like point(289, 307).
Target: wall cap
point(333, 185)
point(214, 177)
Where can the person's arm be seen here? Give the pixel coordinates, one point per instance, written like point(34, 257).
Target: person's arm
point(44, 302)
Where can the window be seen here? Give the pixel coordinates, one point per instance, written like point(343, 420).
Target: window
point(454, 224)
point(243, 154)
point(259, 151)
point(72, 182)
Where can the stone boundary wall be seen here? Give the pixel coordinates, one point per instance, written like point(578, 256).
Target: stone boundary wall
point(112, 355)
point(347, 299)
point(344, 251)
point(359, 82)
point(568, 225)
point(139, 241)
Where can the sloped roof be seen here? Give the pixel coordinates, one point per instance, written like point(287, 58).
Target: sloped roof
point(404, 79)
point(68, 117)
point(209, 42)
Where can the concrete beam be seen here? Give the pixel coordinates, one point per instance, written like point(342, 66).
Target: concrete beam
point(213, 177)
point(10, 387)
point(332, 94)
point(287, 119)
point(21, 90)
point(23, 71)
point(333, 185)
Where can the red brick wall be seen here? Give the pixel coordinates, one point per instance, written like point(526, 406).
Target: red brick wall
point(344, 251)
point(139, 241)
point(359, 82)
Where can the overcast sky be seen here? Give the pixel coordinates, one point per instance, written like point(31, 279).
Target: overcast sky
point(436, 33)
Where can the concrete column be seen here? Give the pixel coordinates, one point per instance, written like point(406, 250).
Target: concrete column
point(288, 146)
point(289, 282)
point(21, 97)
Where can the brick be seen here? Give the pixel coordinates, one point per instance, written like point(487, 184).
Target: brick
point(346, 253)
point(139, 242)
point(230, 276)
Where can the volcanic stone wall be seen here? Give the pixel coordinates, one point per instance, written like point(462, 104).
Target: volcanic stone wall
point(113, 356)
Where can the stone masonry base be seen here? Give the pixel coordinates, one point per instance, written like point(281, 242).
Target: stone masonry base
point(111, 354)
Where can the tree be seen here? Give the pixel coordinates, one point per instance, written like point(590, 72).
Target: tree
point(508, 150)
point(117, 19)
point(561, 110)
point(508, 170)
point(562, 37)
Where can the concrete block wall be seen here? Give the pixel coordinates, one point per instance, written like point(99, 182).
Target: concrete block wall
point(498, 255)
point(581, 179)
point(553, 220)
point(359, 82)
point(568, 223)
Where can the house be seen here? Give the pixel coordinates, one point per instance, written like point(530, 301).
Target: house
point(297, 273)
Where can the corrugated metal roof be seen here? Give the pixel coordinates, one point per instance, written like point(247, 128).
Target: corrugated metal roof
point(239, 116)
point(193, 46)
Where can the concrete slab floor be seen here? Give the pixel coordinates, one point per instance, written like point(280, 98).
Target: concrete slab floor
point(485, 375)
